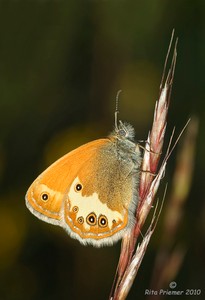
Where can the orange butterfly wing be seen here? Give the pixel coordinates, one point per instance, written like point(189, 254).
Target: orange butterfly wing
point(90, 192)
point(45, 195)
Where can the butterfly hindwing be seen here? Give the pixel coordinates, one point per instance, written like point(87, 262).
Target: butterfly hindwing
point(98, 204)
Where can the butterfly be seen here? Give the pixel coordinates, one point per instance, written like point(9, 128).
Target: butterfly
point(92, 191)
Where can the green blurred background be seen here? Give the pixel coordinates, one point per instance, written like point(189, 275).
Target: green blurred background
point(61, 64)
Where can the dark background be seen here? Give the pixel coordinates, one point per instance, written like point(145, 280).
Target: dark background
point(61, 65)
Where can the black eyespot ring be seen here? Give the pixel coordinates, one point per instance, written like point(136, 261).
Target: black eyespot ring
point(80, 220)
point(44, 196)
point(78, 187)
point(102, 221)
point(75, 209)
point(91, 219)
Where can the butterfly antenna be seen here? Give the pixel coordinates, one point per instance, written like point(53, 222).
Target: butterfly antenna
point(116, 109)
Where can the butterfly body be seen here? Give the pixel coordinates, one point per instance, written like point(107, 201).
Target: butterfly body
point(92, 191)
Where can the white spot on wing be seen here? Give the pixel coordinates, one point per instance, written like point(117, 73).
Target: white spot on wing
point(88, 204)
